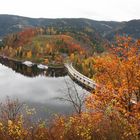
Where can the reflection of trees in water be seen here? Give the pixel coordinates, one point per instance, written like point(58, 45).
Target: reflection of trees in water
point(32, 71)
point(52, 72)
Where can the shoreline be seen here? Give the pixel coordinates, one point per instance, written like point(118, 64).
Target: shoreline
point(22, 61)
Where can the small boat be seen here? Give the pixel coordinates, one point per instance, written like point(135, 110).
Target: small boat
point(28, 63)
point(40, 66)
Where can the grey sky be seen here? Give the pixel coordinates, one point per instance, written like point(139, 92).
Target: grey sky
point(120, 10)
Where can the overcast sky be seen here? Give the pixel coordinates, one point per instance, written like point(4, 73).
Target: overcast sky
point(120, 10)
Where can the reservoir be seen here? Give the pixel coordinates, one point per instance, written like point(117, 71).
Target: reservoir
point(38, 88)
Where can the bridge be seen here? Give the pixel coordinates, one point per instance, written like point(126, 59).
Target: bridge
point(85, 80)
point(82, 79)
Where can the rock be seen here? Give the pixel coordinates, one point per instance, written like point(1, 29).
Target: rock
point(40, 66)
point(28, 63)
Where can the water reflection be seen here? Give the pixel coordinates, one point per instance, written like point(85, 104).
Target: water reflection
point(35, 87)
point(34, 70)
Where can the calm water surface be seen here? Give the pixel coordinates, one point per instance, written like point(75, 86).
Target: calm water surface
point(37, 88)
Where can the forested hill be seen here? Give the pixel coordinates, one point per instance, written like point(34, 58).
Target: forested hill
point(10, 24)
point(98, 29)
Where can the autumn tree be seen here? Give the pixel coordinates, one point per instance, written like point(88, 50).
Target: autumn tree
point(120, 70)
point(29, 54)
point(110, 112)
point(117, 75)
point(74, 97)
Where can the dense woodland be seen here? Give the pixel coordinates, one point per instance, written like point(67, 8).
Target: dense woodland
point(49, 45)
point(110, 112)
point(104, 29)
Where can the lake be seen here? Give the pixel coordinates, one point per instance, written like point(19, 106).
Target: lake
point(36, 87)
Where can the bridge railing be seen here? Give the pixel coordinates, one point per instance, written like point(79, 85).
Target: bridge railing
point(80, 77)
point(85, 80)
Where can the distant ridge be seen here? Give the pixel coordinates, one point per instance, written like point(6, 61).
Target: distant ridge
point(106, 29)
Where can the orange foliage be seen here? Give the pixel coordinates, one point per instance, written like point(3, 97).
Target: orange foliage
point(110, 113)
point(25, 36)
point(29, 54)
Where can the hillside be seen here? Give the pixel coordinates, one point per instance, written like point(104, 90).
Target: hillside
point(131, 28)
point(43, 45)
point(18, 23)
point(96, 29)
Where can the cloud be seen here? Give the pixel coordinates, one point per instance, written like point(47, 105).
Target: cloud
point(94, 9)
